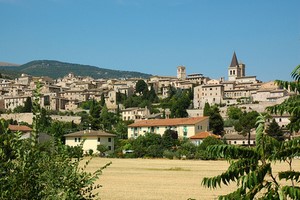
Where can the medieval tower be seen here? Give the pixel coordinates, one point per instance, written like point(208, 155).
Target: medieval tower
point(181, 73)
point(235, 70)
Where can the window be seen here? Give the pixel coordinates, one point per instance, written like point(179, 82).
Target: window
point(98, 139)
point(79, 139)
point(109, 139)
point(76, 139)
point(234, 142)
point(109, 147)
point(184, 134)
point(279, 119)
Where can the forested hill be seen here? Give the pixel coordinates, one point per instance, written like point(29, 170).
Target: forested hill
point(56, 69)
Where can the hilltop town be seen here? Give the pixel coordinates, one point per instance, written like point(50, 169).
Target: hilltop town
point(68, 94)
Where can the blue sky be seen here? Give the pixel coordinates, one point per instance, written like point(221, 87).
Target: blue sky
point(155, 36)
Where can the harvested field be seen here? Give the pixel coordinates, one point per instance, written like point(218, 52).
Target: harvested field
point(145, 179)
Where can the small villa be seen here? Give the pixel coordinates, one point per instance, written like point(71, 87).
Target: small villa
point(92, 140)
point(185, 127)
point(199, 137)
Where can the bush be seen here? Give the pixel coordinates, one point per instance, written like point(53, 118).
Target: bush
point(154, 151)
point(170, 154)
point(90, 152)
point(102, 149)
point(202, 152)
point(74, 152)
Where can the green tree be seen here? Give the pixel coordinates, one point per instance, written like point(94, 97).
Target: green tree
point(141, 86)
point(169, 139)
point(28, 105)
point(202, 151)
point(152, 96)
point(102, 101)
point(94, 118)
point(108, 119)
point(44, 120)
point(120, 97)
point(216, 122)
point(275, 131)
point(187, 149)
point(292, 104)
point(246, 123)
point(121, 130)
point(18, 109)
point(34, 171)
point(234, 112)
point(251, 168)
point(179, 103)
point(102, 149)
point(148, 145)
point(206, 110)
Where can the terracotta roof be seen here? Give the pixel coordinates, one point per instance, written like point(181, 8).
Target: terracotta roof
point(21, 128)
point(203, 135)
point(168, 122)
point(89, 133)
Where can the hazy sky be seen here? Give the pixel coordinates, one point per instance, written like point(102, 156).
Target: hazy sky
point(155, 36)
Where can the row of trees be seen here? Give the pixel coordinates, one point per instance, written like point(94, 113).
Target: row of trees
point(168, 145)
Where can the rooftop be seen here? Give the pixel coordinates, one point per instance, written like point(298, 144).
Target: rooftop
point(203, 135)
point(21, 128)
point(89, 133)
point(168, 122)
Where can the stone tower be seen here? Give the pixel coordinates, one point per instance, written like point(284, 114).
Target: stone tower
point(235, 70)
point(181, 73)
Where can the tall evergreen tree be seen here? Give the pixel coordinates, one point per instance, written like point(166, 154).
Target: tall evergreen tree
point(95, 110)
point(216, 122)
point(246, 123)
point(206, 110)
point(275, 131)
point(141, 86)
point(28, 105)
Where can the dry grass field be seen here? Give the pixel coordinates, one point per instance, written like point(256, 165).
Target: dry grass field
point(152, 179)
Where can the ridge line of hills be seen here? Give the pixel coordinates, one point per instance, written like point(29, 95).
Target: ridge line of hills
point(57, 69)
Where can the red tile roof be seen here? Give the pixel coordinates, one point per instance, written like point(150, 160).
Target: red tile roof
point(168, 122)
point(21, 128)
point(203, 135)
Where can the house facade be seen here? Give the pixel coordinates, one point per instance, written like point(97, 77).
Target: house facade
point(135, 113)
point(91, 140)
point(185, 127)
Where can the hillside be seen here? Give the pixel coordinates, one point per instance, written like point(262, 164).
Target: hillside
point(56, 69)
point(7, 64)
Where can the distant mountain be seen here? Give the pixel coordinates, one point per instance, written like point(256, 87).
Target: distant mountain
point(57, 69)
point(7, 70)
point(8, 64)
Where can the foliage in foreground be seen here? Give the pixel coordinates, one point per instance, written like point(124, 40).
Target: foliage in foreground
point(251, 168)
point(29, 170)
